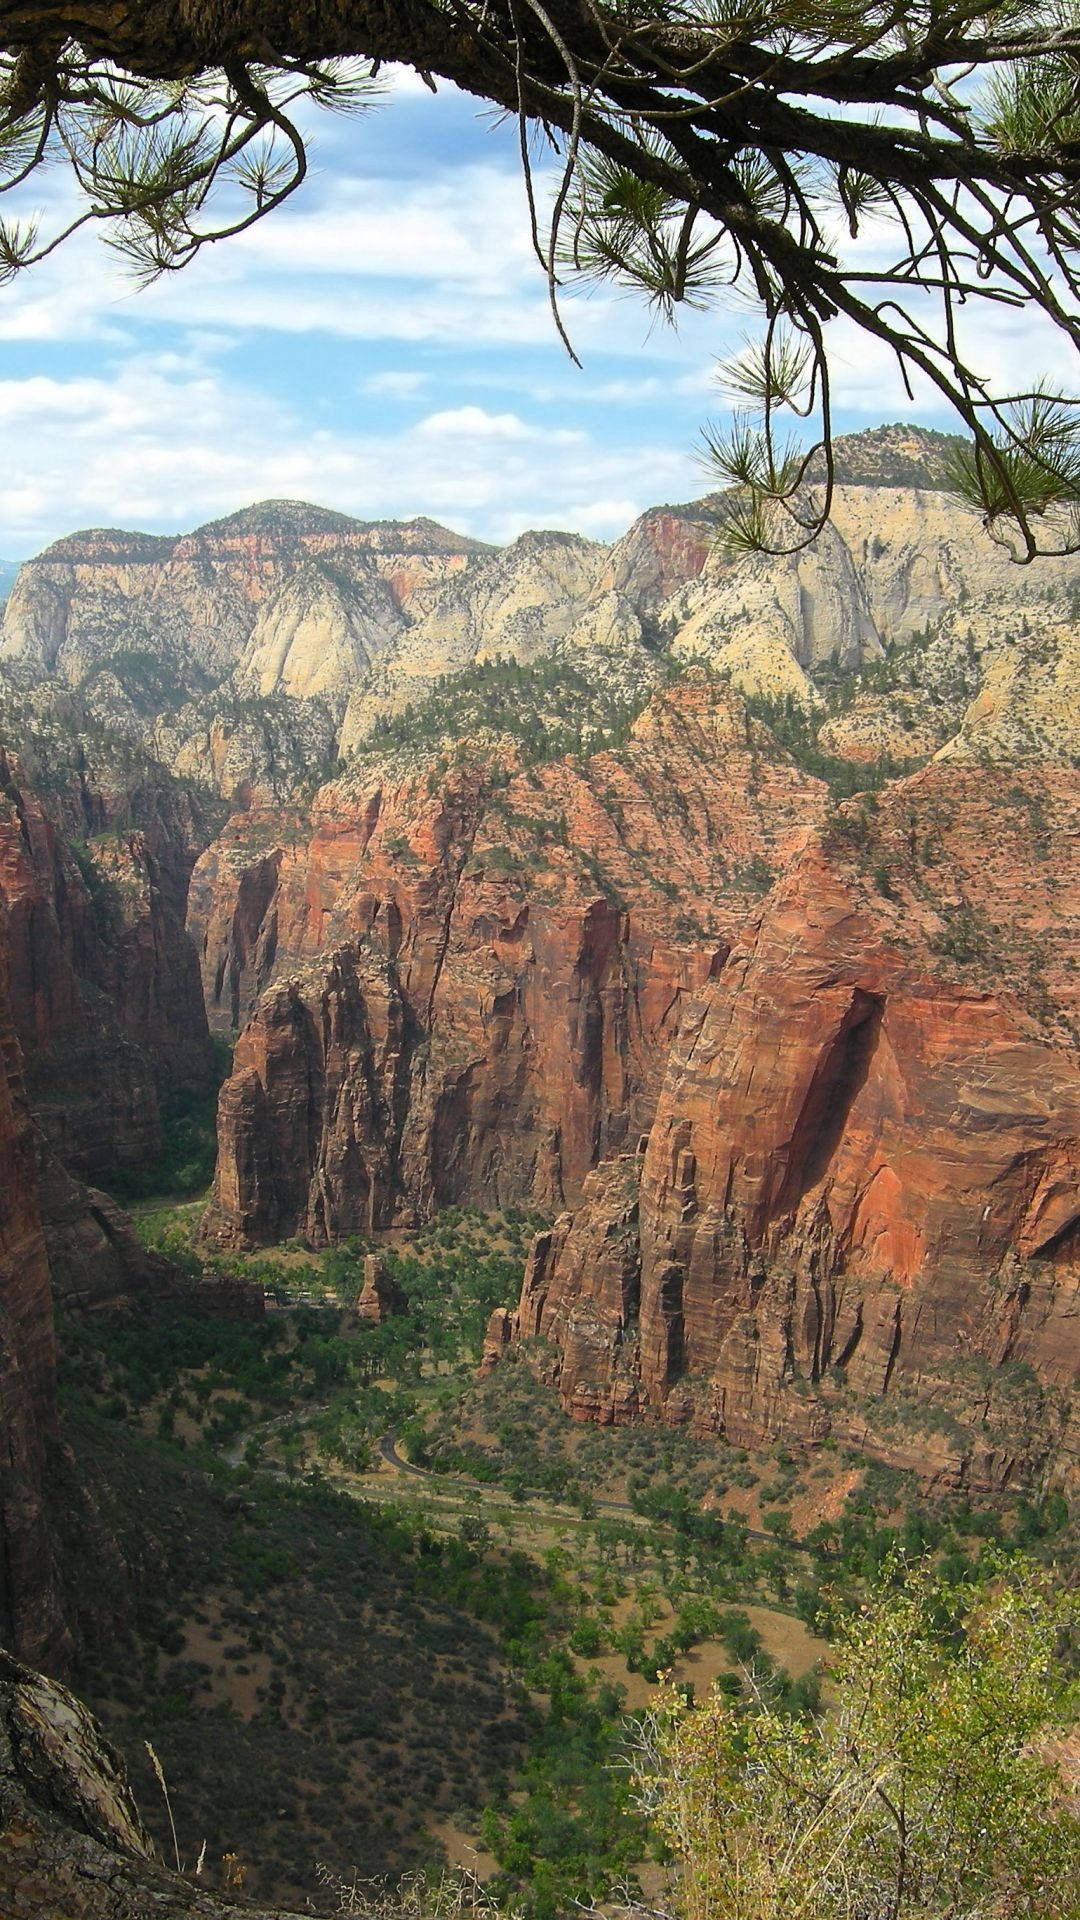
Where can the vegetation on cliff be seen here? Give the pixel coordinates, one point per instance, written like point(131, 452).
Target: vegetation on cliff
point(932, 1787)
point(547, 707)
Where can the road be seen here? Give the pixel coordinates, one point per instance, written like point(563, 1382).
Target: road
point(389, 1451)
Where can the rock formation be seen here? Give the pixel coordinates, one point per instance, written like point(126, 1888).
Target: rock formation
point(860, 1192)
point(71, 1838)
point(516, 936)
point(255, 652)
point(380, 1297)
point(464, 985)
point(105, 988)
point(230, 652)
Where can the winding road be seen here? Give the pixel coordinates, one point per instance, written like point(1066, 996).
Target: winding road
point(389, 1451)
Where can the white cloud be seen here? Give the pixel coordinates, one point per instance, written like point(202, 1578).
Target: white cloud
point(403, 82)
point(165, 445)
point(395, 383)
point(168, 407)
point(466, 225)
point(474, 423)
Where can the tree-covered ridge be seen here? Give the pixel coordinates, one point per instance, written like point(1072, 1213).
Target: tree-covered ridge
point(296, 519)
point(899, 455)
point(265, 519)
point(548, 707)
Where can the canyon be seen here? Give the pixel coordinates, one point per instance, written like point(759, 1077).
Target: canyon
point(725, 912)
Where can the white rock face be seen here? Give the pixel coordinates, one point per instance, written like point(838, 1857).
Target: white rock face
point(811, 605)
point(519, 604)
point(522, 604)
point(256, 651)
point(314, 638)
point(1026, 709)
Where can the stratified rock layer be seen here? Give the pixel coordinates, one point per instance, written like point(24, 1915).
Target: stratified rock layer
point(105, 989)
point(861, 1192)
point(30, 1616)
point(465, 985)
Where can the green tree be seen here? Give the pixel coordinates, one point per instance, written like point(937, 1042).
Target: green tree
point(709, 149)
point(929, 1788)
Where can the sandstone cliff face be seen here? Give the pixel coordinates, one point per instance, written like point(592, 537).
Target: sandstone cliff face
point(523, 604)
point(464, 985)
point(259, 650)
point(178, 643)
point(456, 975)
point(859, 1194)
point(193, 600)
point(105, 988)
point(893, 564)
point(30, 1617)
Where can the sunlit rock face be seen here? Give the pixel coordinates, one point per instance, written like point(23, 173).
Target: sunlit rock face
point(465, 985)
point(860, 1189)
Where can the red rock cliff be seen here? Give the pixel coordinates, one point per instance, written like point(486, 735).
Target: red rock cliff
point(860, 1195)
point(464, 984)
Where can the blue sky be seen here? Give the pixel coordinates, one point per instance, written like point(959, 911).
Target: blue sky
point(383, 345)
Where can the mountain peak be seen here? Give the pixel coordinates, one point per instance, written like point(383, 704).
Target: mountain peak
point(897, 455)
point(289, 517)
point(299, 519)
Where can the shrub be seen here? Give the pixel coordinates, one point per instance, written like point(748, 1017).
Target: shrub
point(928, 1790)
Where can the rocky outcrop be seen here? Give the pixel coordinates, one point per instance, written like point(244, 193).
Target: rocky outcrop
point(380, 1297)
point(896, 726)
point(522, 604)
point(191, 603)
point(465, 984)
point(860, 1194)
point(663, 550)
point(71, 1838)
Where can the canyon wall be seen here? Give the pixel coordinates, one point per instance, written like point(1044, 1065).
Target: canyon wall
point(464, 984)
point(858, 1210)
point(30, 1612)
point(105, 990)
point(737, 1027)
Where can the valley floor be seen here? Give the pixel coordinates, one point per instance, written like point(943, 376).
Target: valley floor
point(389, 1613)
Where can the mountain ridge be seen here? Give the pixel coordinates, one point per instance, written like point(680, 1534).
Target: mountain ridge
point(286, 634)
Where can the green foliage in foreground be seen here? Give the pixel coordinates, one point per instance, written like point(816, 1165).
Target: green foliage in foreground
point(928, 1791)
